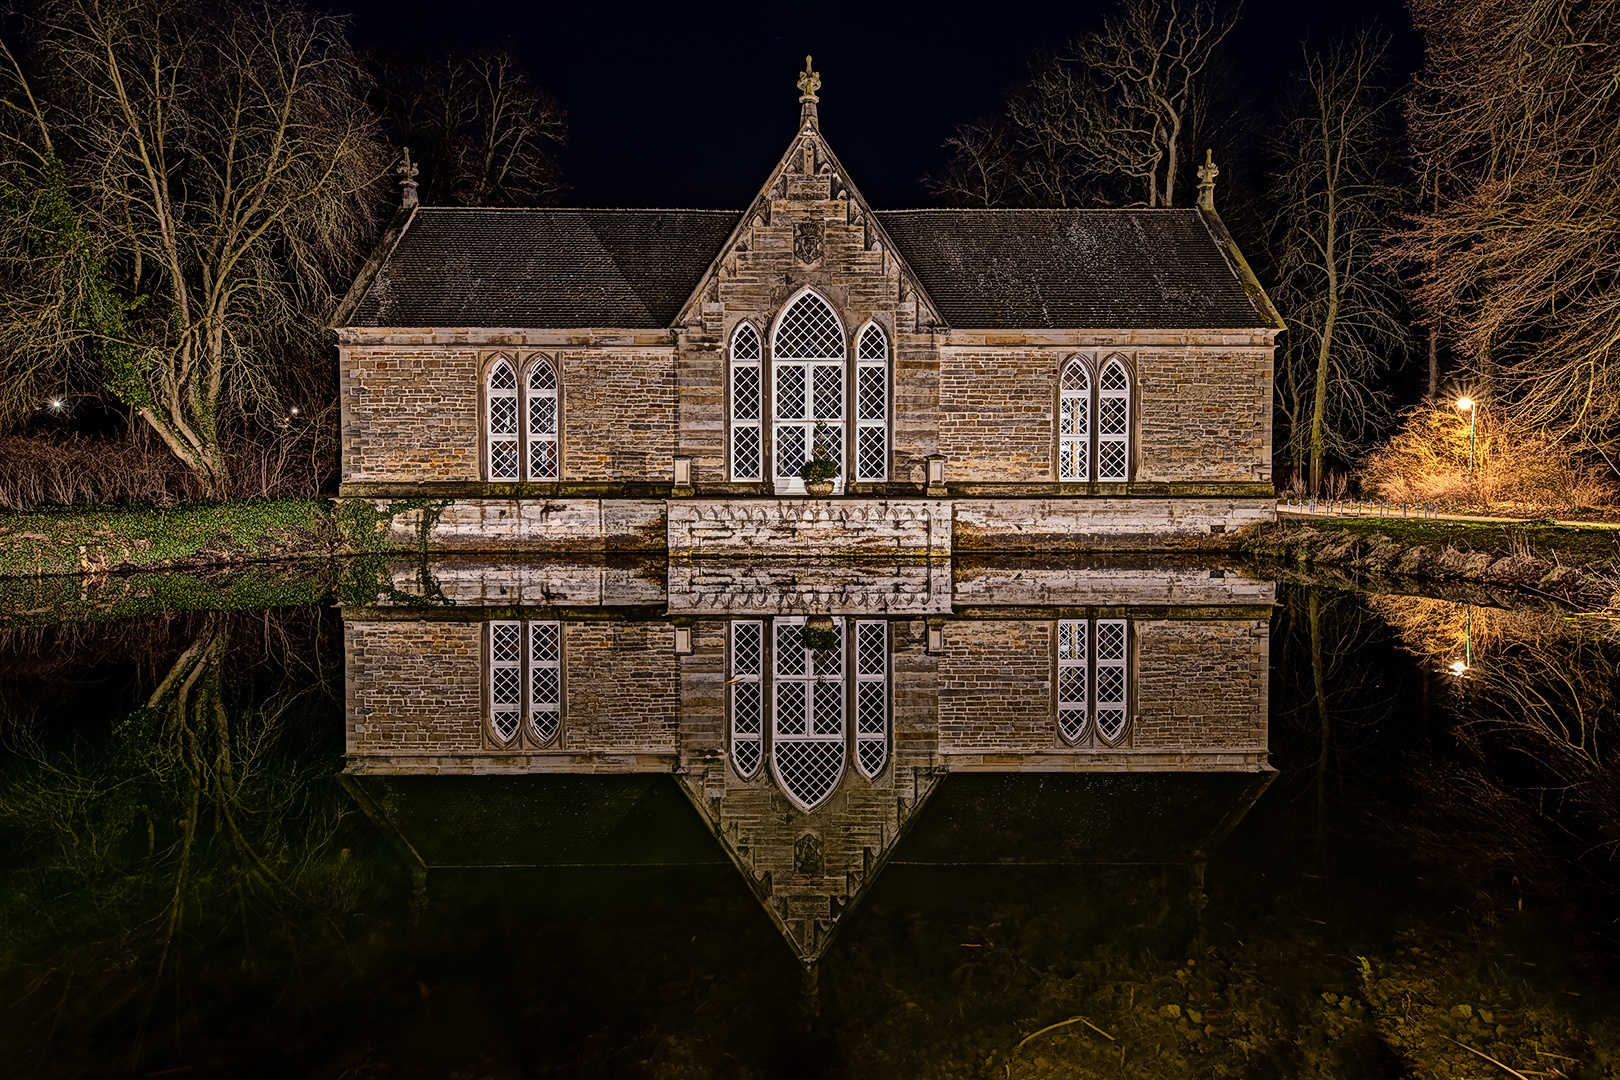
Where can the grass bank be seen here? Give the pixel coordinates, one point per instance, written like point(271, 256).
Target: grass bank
point(1575, 563)
point(194, 536)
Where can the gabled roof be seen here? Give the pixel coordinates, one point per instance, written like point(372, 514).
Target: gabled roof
point(1116, 269)
point(558, 269)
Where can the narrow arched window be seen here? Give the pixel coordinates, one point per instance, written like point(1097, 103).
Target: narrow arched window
point(542, 413)
point(524, 681)
point(1074, 423)
point(1092, 680)
point(545, 681)
point(505, 680)
point(1113, 422)
point(871, 697)
point(807, 389)
point(746, 456)
point(807, 713)
point(502, 404)
point(747, 696)
point(872, 405)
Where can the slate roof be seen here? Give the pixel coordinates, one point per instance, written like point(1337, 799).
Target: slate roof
point(1113, 269)
point(543, 268)
point(984, 269)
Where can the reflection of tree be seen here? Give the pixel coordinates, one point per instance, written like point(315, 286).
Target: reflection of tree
point(198, 817)
point(1534, 710)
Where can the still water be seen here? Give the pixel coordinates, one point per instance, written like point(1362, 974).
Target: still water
point(1088, 817)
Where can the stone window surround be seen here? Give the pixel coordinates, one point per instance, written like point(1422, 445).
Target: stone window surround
point(525, 740)
point(849, 677)
point(765, 327)
point(1090, 738)
point(522, 362)
point(1094, 362)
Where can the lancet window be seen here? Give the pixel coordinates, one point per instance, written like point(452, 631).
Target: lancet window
point(523, 684)
point(1091, 680)
point(1094, 422)
point(747, 453)
point(872, 405)
point(807, 388)
point(521, 421)
point(789, 688)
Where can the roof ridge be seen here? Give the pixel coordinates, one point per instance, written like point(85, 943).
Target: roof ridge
point(1043, 210)
point(580, 209)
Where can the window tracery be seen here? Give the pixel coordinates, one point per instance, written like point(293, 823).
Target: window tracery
point(872, 405)
point(1094, 421)
point(524, 679)
point(521, 420)
point(746, 452)
point(1091, 679)
point(807, 391)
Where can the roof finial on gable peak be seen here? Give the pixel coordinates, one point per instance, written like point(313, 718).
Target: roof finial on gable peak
point(1207, 172)
point(809, 83)
point(407, 172)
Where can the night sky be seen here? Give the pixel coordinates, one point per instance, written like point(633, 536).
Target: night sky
point(691, 105)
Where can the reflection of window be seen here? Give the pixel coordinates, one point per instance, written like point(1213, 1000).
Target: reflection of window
point(791, 685)
point(1091, 679)
point(520, 420)
point(1094, 422)
point(524, 684)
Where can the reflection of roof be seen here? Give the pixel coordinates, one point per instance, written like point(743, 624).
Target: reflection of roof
point(1073, 268)
point(543, 268)
point(633, 269)
point(1079, 817)
point(542, 820)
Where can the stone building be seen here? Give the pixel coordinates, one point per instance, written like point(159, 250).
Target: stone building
point(612, 379)
point(809, 712)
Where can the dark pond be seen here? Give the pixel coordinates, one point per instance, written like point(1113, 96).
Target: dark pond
point(1090, 817)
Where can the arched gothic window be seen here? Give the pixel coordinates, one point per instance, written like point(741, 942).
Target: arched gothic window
point(872, 405)
point(521, 421)
point(1092, 672)
point(807, 387)
point(542, 421)
point(524, 678)
point(1094, 422)
point(746, 452)
point(781, 688)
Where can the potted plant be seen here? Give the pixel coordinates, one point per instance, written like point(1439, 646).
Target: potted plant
point(819, 470)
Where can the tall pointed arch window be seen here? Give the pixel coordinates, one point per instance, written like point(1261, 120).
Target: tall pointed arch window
point(522, 420)
point(1093, 697)
point(807, 713)
point(502, 404)
point(542, 413)
point(746, 398)
point(523, 684)
point(872, 405)
point(807, 388)
point(1113, 421)
point(1074, 423)
point(1094, 421)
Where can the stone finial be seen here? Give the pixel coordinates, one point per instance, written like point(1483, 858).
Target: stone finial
point(1207, 172)
point(407, 172)
point(809, 83)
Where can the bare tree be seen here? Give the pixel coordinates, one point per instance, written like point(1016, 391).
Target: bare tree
point(483, 132)
point(1337, 190)
point(1513, 123)
point(1110, 119)
point(198, 180)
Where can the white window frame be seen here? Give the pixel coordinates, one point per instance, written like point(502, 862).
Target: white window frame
point(746, 659)
point(1083, 407)
point(871, 426)
point(745, 368)
point(1074, 422)
point(1091, 681)
point(1121, 438)
point(526, 687)
point(824, 701)
point(536, 452)
point(871, 663)
point(813, 370)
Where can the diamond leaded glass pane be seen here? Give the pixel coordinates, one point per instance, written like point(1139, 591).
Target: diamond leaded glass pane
point(1075, 377)
point(746, 648)
point(503, 686)
point(1072, 672)
point(503, 457)
point(829, 392)
point(505, 680)
point(1114, 377)
point(505, 643)
point(790, 392)
point(747, 706)
point(790, 450)
point(872, 396)
point(1111, 640)
point(542, 378)
point(745, 343)
point(745, 393)
point(1110, 723)
point(828, 707)
point(504, 724)
point(542, 416)
point(745, 453)
point(791, 715)
point(503, 416)
point(745, 711)
point(543, 464)
point(1071, 686)
point(1113, 416)
point(870, 714)
point(809, 770)
point(545, 724)
point(790, 648)
point(1072, 723)
point(872, 754)
point(871, 649)
point(501, 377)
point(873, 346)
point(809, 331)
point(870, 460)
point(745, 756)
point(1111, 460)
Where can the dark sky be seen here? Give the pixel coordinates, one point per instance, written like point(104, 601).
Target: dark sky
point(682, 105)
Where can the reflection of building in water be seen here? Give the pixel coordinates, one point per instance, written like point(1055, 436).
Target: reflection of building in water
point(809, 711)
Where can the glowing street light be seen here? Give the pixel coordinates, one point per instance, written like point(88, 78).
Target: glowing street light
point(1458, 668)
point(1467, 406)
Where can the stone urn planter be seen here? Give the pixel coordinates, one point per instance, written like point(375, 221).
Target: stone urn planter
point(819, 470)
point(819, 489)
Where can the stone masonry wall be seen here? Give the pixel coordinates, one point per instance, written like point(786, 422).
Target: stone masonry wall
point(1202, 685)
point(410, 413)
point(413, 687)
point(623, 685)
point(995, 687)
point(1204, 414)
point(995, 415)
point(618, 416)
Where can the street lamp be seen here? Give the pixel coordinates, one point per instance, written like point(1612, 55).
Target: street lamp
point(1467, 406)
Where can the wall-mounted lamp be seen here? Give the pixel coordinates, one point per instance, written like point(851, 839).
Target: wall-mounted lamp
point(683, 640)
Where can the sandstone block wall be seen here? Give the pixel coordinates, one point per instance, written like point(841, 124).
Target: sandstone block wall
point(410, 413)
point(413, 688)
point(995, 687)
point(618, 416)
point(1202, 685)
point(996, 415)
point(1204, 414)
